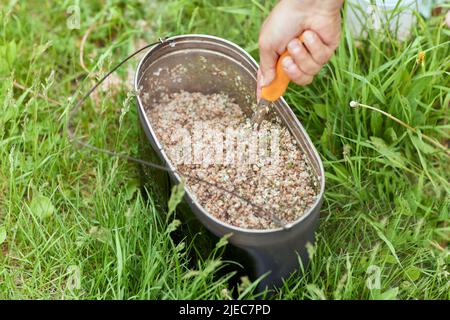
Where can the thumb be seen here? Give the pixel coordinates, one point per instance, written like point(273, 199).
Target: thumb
point(258, 85)
point(268, 59)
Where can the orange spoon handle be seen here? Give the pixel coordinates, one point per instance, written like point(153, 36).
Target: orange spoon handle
point(279, 85)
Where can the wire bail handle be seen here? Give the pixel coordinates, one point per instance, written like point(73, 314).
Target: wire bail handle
point(75, 140)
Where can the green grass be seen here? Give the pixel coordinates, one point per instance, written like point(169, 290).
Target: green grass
point(73, 224)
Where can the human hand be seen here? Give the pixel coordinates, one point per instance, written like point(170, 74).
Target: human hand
point(320, 24)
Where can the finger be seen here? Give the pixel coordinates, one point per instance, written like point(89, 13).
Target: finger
point(294, 73)
point(318, 50)
point(303, 58)
point(268, 59)
point(258, 85)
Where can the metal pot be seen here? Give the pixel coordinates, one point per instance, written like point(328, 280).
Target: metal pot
point(211, 65)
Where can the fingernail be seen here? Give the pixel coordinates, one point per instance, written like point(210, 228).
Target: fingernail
point(260, 81)
point(294, 47)
point(309, 37)
point(264, 81)
point(287, 62)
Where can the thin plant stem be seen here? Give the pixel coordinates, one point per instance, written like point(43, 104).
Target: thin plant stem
point(22, 87)
point(355, 104)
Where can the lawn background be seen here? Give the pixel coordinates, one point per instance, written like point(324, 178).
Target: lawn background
point(73, 225)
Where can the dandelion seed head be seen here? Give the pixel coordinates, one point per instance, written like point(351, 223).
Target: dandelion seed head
point(354, 104)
